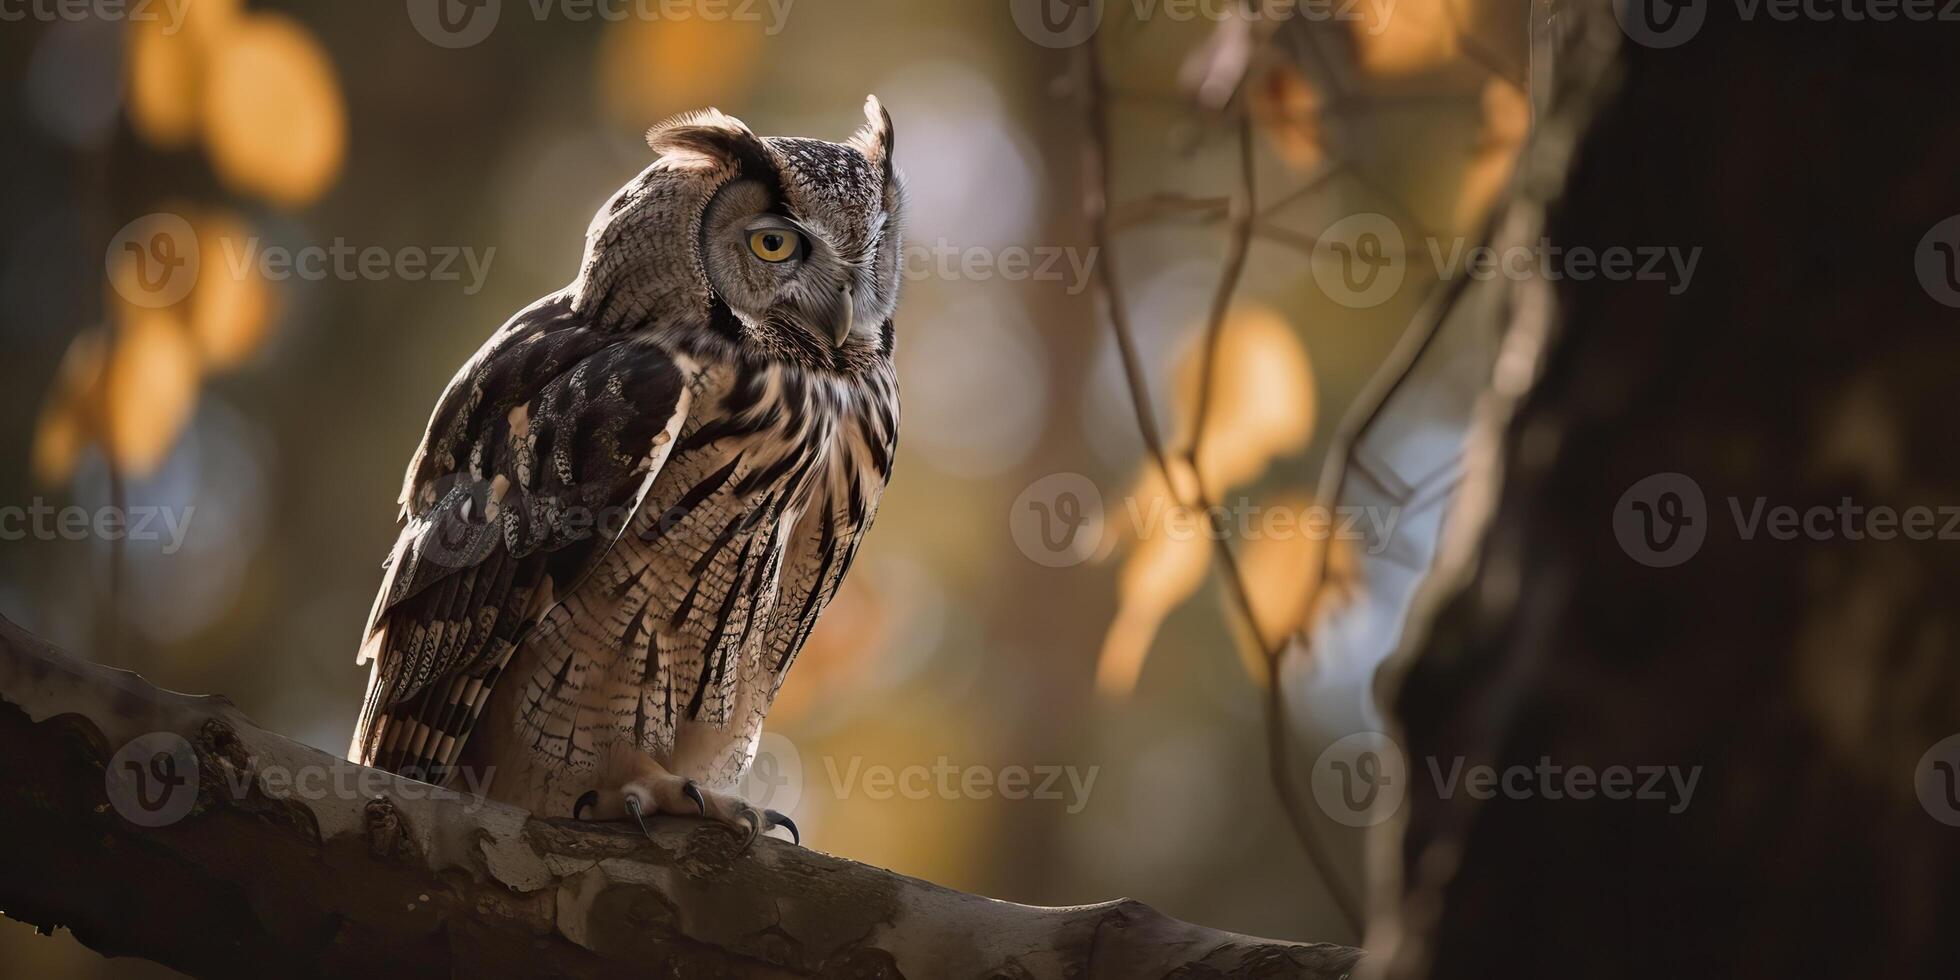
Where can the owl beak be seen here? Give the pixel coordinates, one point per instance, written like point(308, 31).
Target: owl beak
point(841, 315)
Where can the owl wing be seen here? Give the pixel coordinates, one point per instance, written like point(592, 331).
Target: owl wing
point(538, 453)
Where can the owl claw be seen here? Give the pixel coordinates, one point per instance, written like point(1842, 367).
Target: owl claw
point(748, 815)
point(663, 792)
point(633, 807)
point(773, 819)
point(760, 823)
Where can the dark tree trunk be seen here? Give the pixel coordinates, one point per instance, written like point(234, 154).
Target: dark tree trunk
point(1808, 679)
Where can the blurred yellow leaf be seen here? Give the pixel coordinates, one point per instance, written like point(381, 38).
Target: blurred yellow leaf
point(1405, 37)
point(207, 21)
point(1507, 118)
point(149, 388)
point(1262, 397)
point(273, 115)
point(1262, 407)
point(162, 75)
point(168, 59)
point(1280, 561)
point(59, 436)
point(1507, 113)
point(1166, 568)
point(1288, 107)
point(651, 68)
point(230, 308)
point(69, 417)
point(225, 304)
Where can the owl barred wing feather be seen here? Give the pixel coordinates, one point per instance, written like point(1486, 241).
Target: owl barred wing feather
point(535, 457)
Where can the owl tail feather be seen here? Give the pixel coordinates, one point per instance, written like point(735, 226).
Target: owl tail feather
point(367, 727)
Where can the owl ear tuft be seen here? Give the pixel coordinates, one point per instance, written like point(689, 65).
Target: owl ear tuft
point(874, 138)
point(710, 136)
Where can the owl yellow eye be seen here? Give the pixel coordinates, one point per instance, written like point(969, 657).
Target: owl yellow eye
point(773, 244)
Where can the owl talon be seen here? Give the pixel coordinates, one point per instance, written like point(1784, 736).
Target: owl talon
point(772, 819)
point(748, 815)
point(649, 788)
point(633, 807)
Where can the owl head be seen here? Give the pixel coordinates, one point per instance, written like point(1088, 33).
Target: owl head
point(783, 247)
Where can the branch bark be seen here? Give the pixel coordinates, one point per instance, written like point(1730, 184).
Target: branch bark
point(264, 851)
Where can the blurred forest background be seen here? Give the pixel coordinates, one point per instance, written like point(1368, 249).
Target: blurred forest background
point(278, 412)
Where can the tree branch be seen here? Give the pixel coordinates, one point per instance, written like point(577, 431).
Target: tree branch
point(268, 851)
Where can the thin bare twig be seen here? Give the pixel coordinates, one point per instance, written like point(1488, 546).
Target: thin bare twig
point(1098, 185)
point(1307, 188)
point(1239, 240)
point(1164, 204)
point(1096, 202)
point(1278, 235)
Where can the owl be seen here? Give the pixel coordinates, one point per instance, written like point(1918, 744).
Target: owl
point(634, 501)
